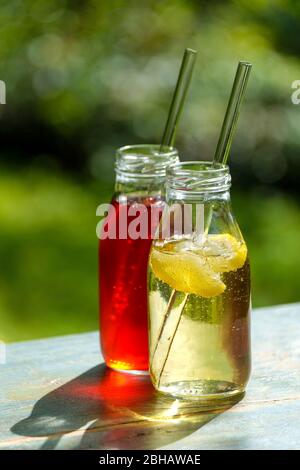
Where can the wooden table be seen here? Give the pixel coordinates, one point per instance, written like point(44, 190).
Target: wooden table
point(57, 394)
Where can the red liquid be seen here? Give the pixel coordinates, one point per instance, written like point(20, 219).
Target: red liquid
point(123, 293)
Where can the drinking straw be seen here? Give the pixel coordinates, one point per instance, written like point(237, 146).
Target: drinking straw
point(221, 156)
point(179, 96)
point(178, 99)
point(176, 107)
point(230, 121)
point(232, 112)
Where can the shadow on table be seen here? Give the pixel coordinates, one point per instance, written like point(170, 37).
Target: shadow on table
point(112, 410)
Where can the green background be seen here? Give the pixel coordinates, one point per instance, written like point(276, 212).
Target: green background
point(84, 78)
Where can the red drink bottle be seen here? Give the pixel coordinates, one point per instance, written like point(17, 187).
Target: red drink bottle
point(123, 254)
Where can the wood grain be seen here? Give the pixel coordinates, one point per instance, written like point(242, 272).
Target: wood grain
point(57, 394)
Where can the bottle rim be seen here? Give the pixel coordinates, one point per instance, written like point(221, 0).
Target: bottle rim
point(197, 177)
point(144, 161)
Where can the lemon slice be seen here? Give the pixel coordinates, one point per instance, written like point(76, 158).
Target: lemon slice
point(196, 269)
point(224, 253)
point(186, 272)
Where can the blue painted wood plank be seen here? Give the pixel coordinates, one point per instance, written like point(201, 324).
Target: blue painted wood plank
point(57, 394)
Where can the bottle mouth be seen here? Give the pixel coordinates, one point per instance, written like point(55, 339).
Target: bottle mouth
point(144, 161)
point(194, 177)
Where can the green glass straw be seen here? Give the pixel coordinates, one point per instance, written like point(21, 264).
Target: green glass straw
point(179, 96)
point(230, 121)
point(178, 100)
point(232, 112)
point(176, 107)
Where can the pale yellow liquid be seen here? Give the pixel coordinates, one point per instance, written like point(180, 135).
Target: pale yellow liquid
point(209, 355)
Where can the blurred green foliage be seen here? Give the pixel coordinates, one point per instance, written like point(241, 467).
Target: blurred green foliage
point(84, 78)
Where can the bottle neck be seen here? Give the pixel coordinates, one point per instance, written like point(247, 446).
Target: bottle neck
point(141, 169)
point(200, 190)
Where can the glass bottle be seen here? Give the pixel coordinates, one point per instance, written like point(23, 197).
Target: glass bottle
point(140, 179)
point(199, 290)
